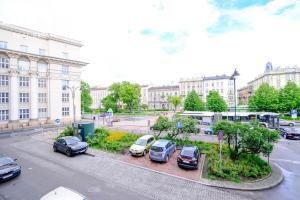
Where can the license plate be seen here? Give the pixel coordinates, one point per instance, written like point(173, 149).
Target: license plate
point(185, 161)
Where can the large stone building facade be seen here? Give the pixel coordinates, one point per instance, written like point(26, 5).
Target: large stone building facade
point(38, 72)
point(158, 96)
point(222, 84)
point(98, 94)
point(276, 77)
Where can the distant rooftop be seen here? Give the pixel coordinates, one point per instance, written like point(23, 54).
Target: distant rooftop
point(167, 87)
point(216, 77)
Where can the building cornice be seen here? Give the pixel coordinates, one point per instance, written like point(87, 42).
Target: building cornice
point(48, 58)
point(37, 34)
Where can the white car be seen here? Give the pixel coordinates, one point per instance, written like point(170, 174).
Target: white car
point(286, 123)
point(142, 145)
point(62, 193)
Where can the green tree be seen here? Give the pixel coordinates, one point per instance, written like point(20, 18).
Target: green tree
point(130, 95)
point(144, 106)
point(265, 98)
point(109, 102)
point(175, 101)
point(193, 102)
point(114, 91)
point(86, 99)
point(161, 124)
point(189, 126)
point(289, 97)
point(215, 102)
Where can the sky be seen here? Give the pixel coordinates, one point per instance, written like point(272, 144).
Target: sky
point(160, 41)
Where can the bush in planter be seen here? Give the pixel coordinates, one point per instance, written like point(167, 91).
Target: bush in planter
point(68, 131)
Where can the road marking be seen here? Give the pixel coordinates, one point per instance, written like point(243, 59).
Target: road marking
point(289, 161)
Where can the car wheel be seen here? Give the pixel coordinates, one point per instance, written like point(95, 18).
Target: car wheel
point(69, 153)
point(54, 149)
point(167, 159)
point(291, 124)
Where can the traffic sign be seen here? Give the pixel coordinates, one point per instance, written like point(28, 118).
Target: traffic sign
point(57, 122)
point(178, 125)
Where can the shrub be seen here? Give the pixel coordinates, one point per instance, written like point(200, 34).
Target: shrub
point(68, 131)
point(115, 135)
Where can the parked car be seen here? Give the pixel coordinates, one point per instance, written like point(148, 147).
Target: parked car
point(142, 145)
point(286, 123)
point(209, 131)
point(9, 168)
point(70, 145)
point(188, 157)
point(115, 119)
point(63, 193)
point(290, 133)
point(162, 150)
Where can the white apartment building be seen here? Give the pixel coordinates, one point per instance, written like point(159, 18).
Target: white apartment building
point(158, 96)
point(98, 93)
point(222, 84)
point(37, 73)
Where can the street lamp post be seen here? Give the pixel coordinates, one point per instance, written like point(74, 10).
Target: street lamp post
point(233, 77)
point(73, 90)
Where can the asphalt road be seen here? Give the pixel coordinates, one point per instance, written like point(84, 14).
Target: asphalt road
point(40, 175)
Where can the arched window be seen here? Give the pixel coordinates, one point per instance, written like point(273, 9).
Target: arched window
point(42, 66)
point(23, 64)
point(4, 61)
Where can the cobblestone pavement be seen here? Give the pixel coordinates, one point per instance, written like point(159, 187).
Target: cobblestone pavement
point(117, 174)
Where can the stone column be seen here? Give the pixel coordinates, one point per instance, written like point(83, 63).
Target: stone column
point(33, 94)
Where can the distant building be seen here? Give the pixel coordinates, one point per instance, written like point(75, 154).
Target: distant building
point(158, 96)
point(98, 93)
point(275, 77)
point(144, 94)
point(244, 94)
point(37, 71)
point(222, 84)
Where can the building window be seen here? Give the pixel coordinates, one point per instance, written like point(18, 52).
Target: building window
point(42, 97)
point(3, 45)
point(23, 65)
point(3, 97)
point(65, 111)
point(65, 84)
point(24, 97)
point(4, 62)
point(42, 52)
point(3, 80)
point(24, 48)
point(42, 83)
point(23, 81)
point(24, 113)
point(42, 66)
point(65, 69)
point(42, 112)
point(3, 115)
point(65, 97)
point(65, 55)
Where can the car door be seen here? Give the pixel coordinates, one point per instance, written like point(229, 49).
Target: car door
point(62, 145)
point(168, 148)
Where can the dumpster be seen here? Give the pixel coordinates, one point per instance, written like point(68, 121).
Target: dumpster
point(83, 129)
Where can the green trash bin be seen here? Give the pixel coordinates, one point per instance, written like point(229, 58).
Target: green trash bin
point(84, 129)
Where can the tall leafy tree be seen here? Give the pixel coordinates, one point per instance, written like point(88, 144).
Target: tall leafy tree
point(265, 98)
point(109, 102)
point(174, 100)
point(215, 102)
point(86, 99)
point(193, 102)
point(130, 95)
point(289, 97)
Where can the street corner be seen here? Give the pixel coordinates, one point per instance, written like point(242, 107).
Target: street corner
point(169, 168)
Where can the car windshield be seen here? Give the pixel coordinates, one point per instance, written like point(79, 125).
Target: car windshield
point(141, 142)
point(5, 161)
point(72, 140)
point(157, 149)
point(187, 152)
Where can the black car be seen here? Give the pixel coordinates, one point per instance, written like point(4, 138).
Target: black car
point(290, 133)
point(188, 157)
point(70, 145)
point(8, 168)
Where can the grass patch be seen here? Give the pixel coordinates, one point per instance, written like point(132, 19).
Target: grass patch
point(112, 141)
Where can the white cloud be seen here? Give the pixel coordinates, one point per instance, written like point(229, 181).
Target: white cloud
point(116, 51)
